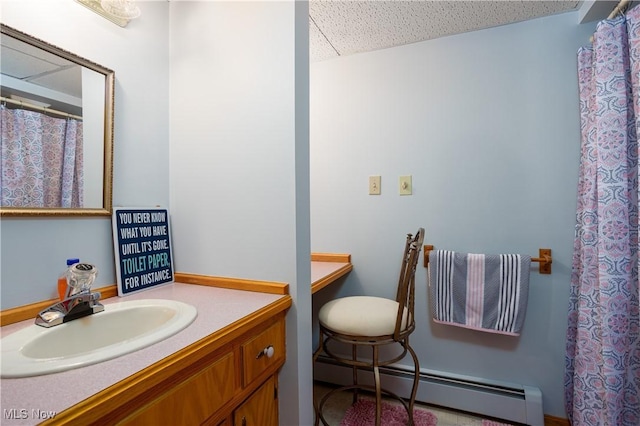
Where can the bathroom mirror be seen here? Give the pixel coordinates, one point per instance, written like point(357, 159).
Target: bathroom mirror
point(57, 130)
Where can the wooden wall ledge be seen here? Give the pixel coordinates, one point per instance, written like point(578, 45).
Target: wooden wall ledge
point(322, 276)
point(21, 313)
point(331, 257)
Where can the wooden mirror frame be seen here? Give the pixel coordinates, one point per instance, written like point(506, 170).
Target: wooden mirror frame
point(109, 93)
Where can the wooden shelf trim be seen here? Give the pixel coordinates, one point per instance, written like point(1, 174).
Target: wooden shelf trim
point(331, 257)
point(271, 287)
point(21, 313)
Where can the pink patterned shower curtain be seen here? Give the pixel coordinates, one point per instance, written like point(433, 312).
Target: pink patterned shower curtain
point(602, 380)
point(41, 160)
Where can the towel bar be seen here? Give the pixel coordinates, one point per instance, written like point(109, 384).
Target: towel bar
point(544, 259)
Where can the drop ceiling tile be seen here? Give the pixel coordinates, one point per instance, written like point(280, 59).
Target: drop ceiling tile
point(362, 26)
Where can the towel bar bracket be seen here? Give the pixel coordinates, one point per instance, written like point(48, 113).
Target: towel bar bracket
point(427, 249)
point(545, 259)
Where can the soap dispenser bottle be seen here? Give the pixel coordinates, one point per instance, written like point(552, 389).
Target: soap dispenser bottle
point(62, 280)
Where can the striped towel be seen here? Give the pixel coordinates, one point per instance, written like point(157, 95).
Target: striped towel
point(477, 291)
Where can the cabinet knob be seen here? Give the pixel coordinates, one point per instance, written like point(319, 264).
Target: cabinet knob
point(268, 352)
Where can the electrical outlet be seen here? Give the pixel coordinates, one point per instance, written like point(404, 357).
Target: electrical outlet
point(405, 185)
point(374, 185)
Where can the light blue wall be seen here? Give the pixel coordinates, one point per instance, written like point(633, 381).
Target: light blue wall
point(232, 132)
point(212, 106)
point(487, 124)
point(34, 250)
point(240, 159)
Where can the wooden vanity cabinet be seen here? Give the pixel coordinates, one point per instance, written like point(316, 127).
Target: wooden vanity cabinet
point(202, 397)
point(193, 401)
point(259, 353)
point(228, 378)
point(261, 408)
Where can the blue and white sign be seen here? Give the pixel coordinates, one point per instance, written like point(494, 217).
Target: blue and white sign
point(142, 239)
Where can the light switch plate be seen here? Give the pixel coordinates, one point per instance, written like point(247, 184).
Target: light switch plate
point(374, 185)
point(405, 186)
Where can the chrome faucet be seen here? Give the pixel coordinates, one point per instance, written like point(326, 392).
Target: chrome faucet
point(79, 301)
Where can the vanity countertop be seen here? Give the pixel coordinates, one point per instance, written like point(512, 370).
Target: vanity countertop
point(31, 397)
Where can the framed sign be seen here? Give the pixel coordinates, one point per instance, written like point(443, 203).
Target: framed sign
point(142, 242)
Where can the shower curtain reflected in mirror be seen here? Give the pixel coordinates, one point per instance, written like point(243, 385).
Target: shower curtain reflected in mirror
point(41, 164)
point(602, 381)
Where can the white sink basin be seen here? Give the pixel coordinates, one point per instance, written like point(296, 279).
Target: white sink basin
point(120, 329)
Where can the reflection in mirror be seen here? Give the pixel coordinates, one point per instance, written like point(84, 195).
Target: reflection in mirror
point(56, 131)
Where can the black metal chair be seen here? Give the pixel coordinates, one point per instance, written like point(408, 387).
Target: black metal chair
point(368, 321)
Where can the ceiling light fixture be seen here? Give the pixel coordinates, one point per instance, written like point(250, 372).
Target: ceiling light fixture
point(120, 12)
point(124, 9)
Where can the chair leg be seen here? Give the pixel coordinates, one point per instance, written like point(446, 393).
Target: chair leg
point(416, 380)
point(354, 369)
point(376, 378)
point(316, 409)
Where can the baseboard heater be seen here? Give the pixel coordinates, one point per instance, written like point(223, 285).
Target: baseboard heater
point(505, 401)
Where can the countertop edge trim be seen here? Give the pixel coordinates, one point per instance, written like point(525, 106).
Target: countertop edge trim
point(25, 312)
point(271, 287)
point(331, 257)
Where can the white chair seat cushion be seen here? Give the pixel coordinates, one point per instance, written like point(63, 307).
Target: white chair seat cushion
point(361, 316)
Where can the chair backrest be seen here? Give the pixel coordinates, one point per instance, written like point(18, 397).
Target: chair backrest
point(405, 295)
